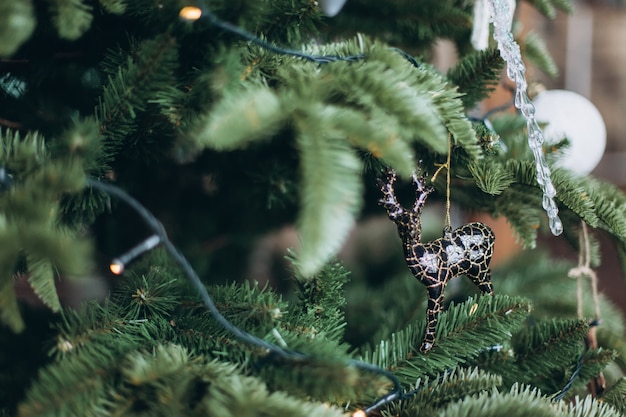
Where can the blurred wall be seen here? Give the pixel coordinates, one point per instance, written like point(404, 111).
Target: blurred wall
point(590, 50)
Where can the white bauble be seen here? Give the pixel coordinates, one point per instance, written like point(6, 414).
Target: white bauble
point(571, 115)
point(331, 7)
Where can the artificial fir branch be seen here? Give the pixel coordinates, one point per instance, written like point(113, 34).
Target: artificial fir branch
point(168, 380)
point(17, 23)
point(537, 53)
point(330, 198)
point(556, 339)
point(41, 277)
point(549, 7)
point(616, 395)
point(593, 201)
point(524, 401)
point(293, 27)
point(114, 6)
point(30, 215)
point(479, 324)
point(321, 302)
point(152, 347)
point(72, 18)
point(413, 99)
point(406, 23)
point(476, 75)
point(491, 177)
point(91, 343)
point(447, 100)
point(593, 363)
point(446, 388)
point(235, 122)
point(130, 89)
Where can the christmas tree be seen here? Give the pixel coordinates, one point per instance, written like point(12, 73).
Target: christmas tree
point(172, 140)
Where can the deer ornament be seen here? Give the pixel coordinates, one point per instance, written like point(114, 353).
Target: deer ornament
point(464, 251)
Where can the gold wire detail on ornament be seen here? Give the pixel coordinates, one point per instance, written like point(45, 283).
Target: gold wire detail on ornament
point(447, 226)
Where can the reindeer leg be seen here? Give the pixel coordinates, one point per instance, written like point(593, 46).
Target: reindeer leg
point(482, 280)
point(435, 305)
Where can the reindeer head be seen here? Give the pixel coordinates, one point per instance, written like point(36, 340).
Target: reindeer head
point(408, 221)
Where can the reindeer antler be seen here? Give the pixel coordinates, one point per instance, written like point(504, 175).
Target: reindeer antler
point(421, 189)
point(389, 200)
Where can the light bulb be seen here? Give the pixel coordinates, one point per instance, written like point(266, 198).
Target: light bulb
point(118, 264)
point(190, 13)
point(116, 267)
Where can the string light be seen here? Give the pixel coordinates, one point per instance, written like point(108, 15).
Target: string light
point(190, 13)
point(160, 237)
point(193, 13)
point(359, 413)
point(119, 264)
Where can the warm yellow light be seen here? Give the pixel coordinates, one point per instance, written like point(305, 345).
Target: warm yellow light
point(116, 268)
point(359, 413)
point(190, 13)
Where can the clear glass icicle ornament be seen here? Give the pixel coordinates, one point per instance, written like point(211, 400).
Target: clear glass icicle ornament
point(515, 69)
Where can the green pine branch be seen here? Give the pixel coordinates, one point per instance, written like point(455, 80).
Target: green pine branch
point(330, 198)
point(155, 307)
point(449, 387)
point(477, 74)
point(525, 401)
point(289, 22)
point(463, 331)
point(164, 381)
point(518, 196)
point(237, 121)
point(534, 49)
point(549, 7)
point(330, 109)
point(321, 303)
point(491, 177)
point(72, 18)
point(31, 222)
point(138, 78)
point(114, 6)
point(587, 407)
point(41, 277)
point(406, 23)
point(17, 23)
point(616, 395)
point(560, 341)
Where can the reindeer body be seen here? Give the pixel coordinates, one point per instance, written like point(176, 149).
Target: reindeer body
point(464, 251)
